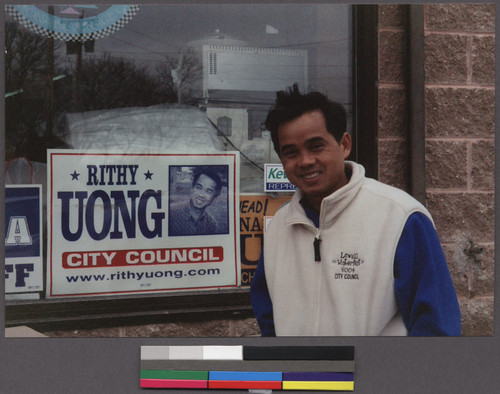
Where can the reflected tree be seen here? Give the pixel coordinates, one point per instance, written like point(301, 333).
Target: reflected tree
point(27, 74)
point(107, 82)
point(41, 88)
point(184, 73)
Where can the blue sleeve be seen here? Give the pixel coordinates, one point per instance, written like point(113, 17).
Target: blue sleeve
point(261, 301)
point(424, 289)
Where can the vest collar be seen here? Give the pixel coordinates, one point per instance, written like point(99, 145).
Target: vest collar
point(332, 205)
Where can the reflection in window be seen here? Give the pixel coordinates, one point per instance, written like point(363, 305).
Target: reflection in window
point(225, 125)
point(168, 65)
point(186, 78)
point(213, 63)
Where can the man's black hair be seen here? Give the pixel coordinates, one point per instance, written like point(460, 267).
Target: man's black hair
point(212, 174)
point(291, 104)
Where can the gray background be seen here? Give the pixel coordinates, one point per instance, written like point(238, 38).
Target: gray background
point(383, 365)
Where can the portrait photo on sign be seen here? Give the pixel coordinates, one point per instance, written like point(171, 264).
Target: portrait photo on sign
point(198, 200)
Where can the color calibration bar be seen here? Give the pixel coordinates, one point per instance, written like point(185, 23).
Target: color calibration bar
point(328, 368)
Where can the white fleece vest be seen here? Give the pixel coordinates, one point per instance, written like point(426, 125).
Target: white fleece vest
point(351, 290)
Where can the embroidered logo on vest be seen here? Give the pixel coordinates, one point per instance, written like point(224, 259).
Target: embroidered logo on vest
point(347, 266)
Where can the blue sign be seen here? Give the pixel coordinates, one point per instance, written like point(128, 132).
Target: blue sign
point(23, 239)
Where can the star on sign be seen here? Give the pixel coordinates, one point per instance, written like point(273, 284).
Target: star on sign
point(74, 176)
point(149, 175)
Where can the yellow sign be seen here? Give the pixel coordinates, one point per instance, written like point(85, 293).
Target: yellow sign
point(253, 209)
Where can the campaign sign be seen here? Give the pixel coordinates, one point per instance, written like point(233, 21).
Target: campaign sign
point(275, 179)
point(123, 223)
point(23, 239)
point(254, 208)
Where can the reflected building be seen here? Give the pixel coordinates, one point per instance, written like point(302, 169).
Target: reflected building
point(236, 84)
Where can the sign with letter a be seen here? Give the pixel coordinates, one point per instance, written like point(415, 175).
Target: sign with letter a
point(23, 239)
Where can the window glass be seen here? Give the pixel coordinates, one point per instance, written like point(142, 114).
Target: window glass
point(177, 79)
point(227, 60)
point(225, 124)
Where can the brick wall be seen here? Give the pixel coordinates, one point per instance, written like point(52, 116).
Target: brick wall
point(392, 117)
point(459, 118)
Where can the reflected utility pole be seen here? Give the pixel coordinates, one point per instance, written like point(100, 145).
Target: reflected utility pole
point(76, 48)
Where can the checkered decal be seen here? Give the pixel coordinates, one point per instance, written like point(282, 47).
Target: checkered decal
point(127, 17)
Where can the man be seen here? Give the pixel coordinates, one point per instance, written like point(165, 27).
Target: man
point(193, 219)
point(347, 255)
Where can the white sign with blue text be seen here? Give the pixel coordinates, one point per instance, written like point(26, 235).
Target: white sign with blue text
point(275, 179)
point(23, 239)
point(125, 223)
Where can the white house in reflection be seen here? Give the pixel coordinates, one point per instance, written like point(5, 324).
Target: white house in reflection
point(236, 85)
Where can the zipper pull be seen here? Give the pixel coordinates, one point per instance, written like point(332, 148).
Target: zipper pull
point(317, 241)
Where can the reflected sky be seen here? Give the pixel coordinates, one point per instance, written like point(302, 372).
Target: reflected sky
point(157, 31)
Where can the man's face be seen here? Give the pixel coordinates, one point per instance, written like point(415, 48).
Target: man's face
point(313, 160)
point(203, 192)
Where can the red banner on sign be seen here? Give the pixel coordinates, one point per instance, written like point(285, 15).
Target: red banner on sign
point(121, 258)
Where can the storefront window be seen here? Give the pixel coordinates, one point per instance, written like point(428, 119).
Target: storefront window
point(169, 80)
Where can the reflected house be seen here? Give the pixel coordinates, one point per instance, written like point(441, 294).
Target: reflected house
point(237, 85)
